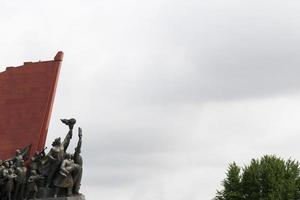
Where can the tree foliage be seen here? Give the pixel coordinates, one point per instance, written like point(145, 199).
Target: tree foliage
point(268, 178)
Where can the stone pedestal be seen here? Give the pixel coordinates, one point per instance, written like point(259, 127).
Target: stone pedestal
point(45, 193)
point(73, 197)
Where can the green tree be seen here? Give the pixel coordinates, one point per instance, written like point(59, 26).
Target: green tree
point(272, 172)
point(251, 184)
point(268, 178)
point(291, 188)
point(232, 184)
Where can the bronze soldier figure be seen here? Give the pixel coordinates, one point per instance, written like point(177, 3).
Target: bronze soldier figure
point(20, 182)
point(31, 187)
point(37, 161)
point(9, 177)
point(18, 158)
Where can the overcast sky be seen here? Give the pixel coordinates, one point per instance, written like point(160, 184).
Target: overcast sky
point(167, 92)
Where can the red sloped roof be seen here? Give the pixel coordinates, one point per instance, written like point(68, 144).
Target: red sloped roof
point(26, 98)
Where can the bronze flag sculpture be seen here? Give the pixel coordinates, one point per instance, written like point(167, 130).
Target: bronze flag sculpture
point(27, 171)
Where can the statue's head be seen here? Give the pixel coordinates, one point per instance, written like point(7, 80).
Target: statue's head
point(18, 152)
point(6, 164)
point(22, 163)
point(68, 156)
point(56, 142)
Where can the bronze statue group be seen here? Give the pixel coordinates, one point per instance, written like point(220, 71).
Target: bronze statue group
point(54, 174)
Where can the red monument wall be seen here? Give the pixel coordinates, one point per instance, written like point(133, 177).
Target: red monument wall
point(26, 98)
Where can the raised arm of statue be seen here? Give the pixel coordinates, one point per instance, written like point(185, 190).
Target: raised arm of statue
point(78, 147)
point(67, 140)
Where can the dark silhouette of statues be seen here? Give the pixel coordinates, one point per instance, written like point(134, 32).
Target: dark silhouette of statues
point(54, 174)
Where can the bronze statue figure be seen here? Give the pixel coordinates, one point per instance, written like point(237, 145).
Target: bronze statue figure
point(31, 187)
point(20, 180)
point(57, 152)
point(64, 178)
point(9, 177)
